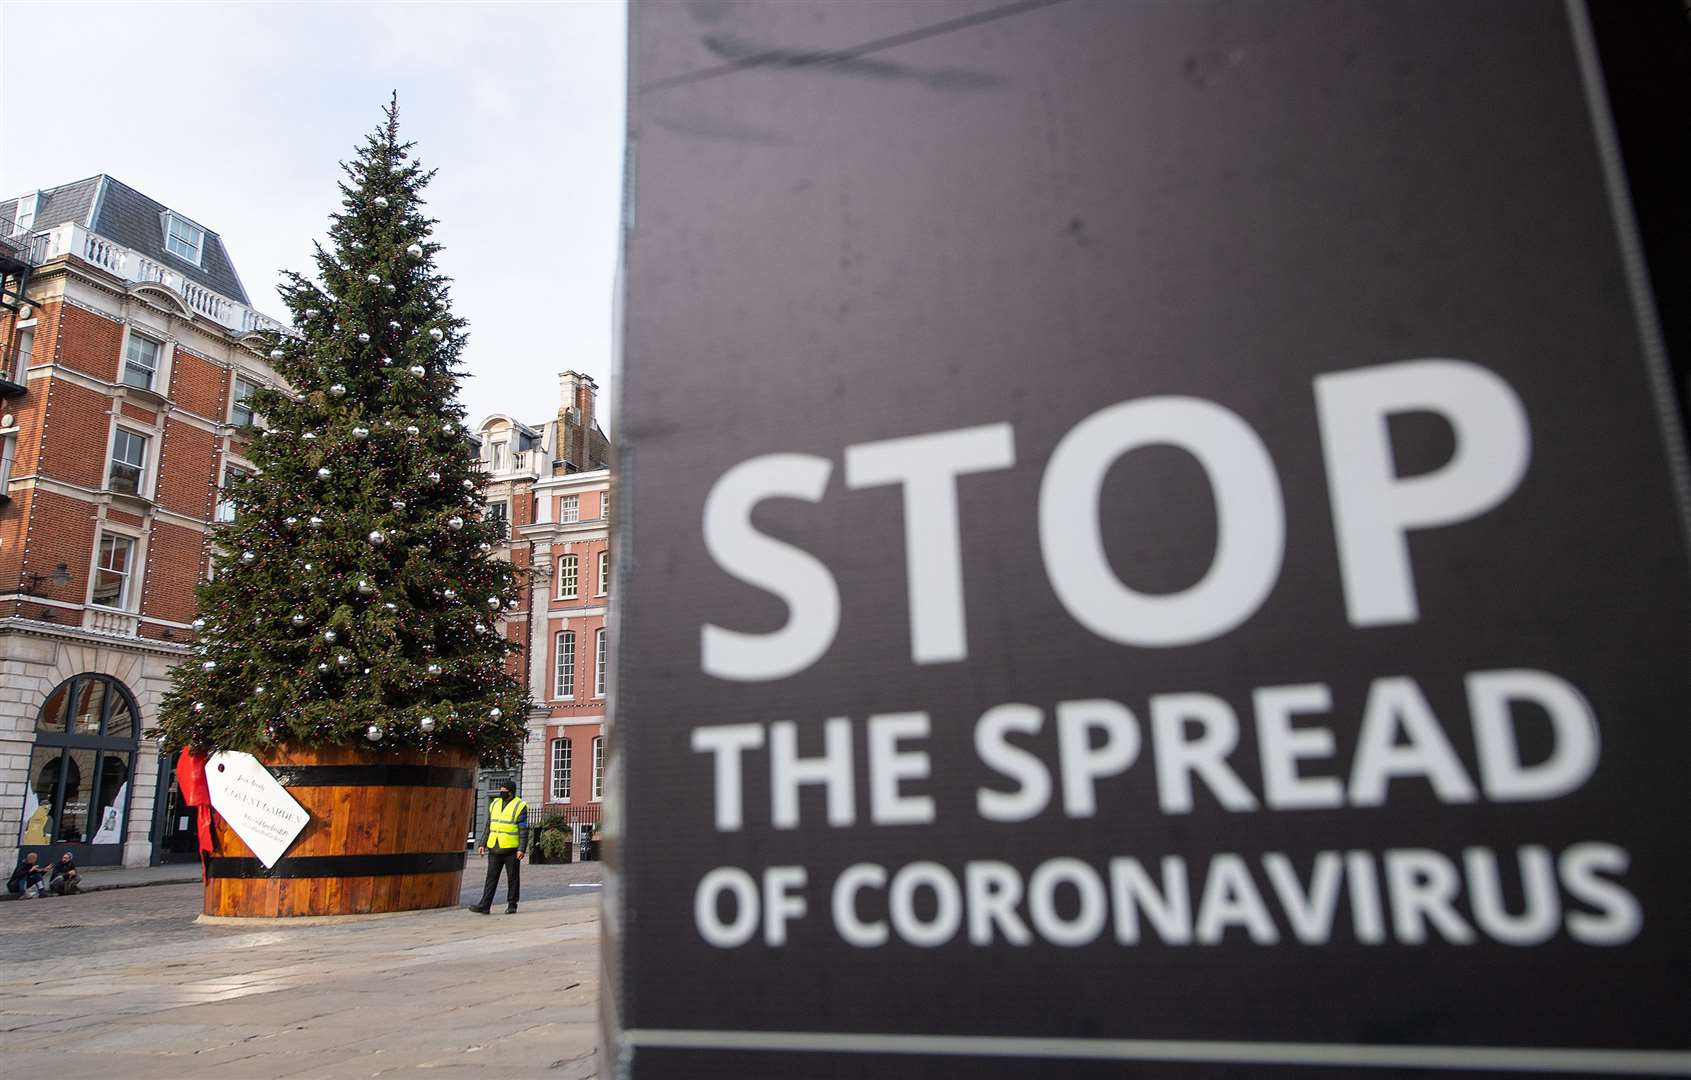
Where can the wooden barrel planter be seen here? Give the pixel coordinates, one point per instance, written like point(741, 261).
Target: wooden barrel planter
point(386, 834)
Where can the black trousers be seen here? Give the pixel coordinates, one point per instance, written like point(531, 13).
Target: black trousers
point(499, 859)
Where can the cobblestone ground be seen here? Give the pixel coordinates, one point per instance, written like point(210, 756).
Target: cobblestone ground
point(125, 984)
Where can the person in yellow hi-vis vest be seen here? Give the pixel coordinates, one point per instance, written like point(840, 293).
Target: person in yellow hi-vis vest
point(505, 842)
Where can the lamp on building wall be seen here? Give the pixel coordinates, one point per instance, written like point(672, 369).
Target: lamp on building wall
point(31, 583)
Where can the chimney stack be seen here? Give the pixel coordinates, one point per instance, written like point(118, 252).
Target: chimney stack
point(580, 393)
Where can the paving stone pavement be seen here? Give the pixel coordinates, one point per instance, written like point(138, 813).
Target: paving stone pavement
point(124, 984)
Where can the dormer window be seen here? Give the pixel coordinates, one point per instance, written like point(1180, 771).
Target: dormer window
point(183, 238)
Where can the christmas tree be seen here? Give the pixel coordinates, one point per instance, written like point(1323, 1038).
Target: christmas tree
point(354, 598)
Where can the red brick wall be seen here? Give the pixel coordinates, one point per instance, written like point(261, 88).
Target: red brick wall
point(581, 738)
point(187, 473)
point(585, 630)
point(198, 385)
point(61, 530)
point(174, 555)
point(88, 343)
point(76, 436)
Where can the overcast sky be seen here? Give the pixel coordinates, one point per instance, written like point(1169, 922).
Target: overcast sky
point(237, 115)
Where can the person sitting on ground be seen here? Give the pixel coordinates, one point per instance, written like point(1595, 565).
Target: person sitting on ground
point(25, 882)
point(66, 880)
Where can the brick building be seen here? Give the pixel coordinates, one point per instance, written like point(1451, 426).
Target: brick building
point(129, 351)
point(552, 482)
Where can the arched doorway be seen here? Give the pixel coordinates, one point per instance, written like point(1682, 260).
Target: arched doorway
point(79, 771)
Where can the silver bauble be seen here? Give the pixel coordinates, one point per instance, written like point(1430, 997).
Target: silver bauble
point(449, 427)
point(437, 333)
point(310, 436)
point(469, 485)
point(418, 370)
point(330, 636)
point(365, 587)
point(309, 567)
point(199, 706)
point(209, 665)
point(387, 361)
point(434, 478)
point(426, 724)
point(485, 547)
point(343, 659)
point(415, 251)
point(276, 354)
point(399, 504)
point(198, 625)
point(434, 669)
point(298, 620)
point(324, 473)
point(389, 287)
point(411, 429)
point(374, 279)
point(249, 557)
point(496, 712)
point(481, 628)
point(377, 536)
point(322, 667)
point(361, 433)
point(314, 521)
point(450, 594)
point(493, 602)
point(455, 522)
point(393, 324)
point(391, 606)
point(337, 390)
point(381, 201)
point(373, 733)
point(290, 521)
point(363, 338)
point(259, 690)
point(358, 245)
point(312, 313)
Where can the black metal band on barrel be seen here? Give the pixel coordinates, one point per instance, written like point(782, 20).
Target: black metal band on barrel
point(333, 866)
point(442, 776)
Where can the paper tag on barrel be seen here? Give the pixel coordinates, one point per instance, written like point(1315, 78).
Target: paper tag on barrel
point(262, 813)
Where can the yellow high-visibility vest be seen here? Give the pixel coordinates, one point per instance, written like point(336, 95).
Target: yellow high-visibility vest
point(502, 822)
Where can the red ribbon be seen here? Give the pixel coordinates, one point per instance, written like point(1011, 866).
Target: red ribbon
point(191, 781)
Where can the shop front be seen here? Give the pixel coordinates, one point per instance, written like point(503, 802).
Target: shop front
point(78, 792)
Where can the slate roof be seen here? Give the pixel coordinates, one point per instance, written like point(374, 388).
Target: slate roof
point(118, 212)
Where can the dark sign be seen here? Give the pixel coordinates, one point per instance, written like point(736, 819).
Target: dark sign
point(1155, 540)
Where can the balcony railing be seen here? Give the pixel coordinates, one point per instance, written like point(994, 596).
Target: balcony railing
point(106, 621)
point(73, 239)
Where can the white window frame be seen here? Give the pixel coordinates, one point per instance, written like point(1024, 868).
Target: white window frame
point(599, 663)
point(225, 506)
point(563, 650)
point(8, 458)
point(604, 505)
point(499, 455)
point(158, 362)
point(562, 742)
point(173, 218)
point(573, 579)
point(24, 355)
point(598, 768)
point(569, 509)
point(235, 403)
point(126, 591)
point(143, 483)
point(604, 572)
